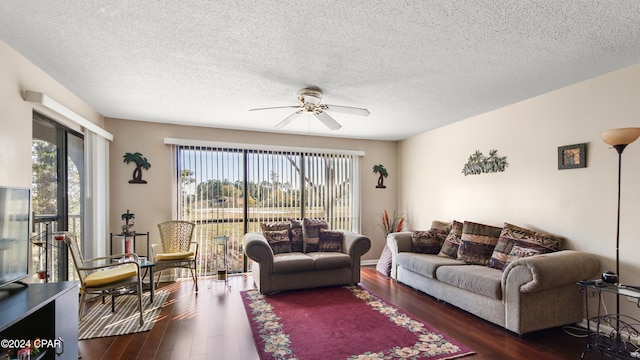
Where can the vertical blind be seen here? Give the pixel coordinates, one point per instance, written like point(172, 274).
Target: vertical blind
point(230, 191)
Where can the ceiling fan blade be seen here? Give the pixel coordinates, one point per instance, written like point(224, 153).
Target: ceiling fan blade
point(289, 119)
point(328, 120)
point(277, 107)
point(348, 110)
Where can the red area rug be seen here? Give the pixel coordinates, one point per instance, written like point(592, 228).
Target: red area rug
point(341, 323)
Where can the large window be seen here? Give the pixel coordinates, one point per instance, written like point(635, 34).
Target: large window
point(230, 191)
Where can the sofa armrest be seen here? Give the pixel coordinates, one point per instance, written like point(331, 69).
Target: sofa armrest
point(355, 245)
point(257, 249)
point(536, 273)
point(398, 242)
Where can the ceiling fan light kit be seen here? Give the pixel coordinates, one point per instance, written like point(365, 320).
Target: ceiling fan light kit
point(309, 101)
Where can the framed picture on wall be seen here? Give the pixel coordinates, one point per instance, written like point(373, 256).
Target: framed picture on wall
point(572, 156)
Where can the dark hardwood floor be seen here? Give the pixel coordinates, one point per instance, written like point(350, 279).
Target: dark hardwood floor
point(212, 324)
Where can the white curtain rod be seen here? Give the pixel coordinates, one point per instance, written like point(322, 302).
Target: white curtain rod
point(230, 145)
point(50, 104)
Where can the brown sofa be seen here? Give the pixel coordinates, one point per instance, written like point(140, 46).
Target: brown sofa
point(297, 270)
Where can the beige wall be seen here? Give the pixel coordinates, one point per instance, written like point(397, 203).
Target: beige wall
point(152, 202)
point(579, 204)
point(16, 75)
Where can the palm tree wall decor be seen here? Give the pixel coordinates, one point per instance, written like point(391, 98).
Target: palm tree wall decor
point(382, 172)
point(141, 163)
point(479, 164)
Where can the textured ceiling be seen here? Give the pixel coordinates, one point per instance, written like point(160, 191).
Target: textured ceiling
point(416, 65)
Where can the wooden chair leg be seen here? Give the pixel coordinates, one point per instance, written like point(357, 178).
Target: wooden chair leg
point(83, 298)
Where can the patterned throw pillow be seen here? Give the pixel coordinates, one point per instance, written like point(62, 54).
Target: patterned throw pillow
point(275, 226)
point(442, 226)
point(452, 241)
point(295, 234)
point(518, 252)
point(427, 242)
point(278, 240)
point(512, 236)
point(331, 241)
point(477, 243)
point(311, 233)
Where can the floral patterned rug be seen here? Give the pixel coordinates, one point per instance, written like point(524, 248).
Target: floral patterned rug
point(341, 323)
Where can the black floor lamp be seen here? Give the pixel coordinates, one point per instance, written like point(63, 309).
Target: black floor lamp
point(619, 139)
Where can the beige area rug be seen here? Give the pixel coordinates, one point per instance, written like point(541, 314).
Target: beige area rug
point(99, 321)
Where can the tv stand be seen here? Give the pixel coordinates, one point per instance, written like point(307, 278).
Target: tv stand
point(48, 312)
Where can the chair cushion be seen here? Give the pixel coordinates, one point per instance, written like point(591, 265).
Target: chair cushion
point(111, 276)
point(174, 256)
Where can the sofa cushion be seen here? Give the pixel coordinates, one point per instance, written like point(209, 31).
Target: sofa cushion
point(292, 262)
point(477, 242)
point(331, 240)
point(424, 264)
point(330, 260)
point(295, 234)
point(311, 233)
point(427, 242)
point(478, 279)
point(452, 241)
point(278, 240)
point(512, 235)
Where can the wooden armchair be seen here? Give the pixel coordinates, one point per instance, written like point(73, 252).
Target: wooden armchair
point(177, 249)
point(107, 278)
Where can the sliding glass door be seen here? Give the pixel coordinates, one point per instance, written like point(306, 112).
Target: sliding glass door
point(231, 191)
point(57, 192)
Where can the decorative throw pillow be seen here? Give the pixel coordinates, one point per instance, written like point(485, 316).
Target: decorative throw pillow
point(295, 234)
point(442, 226)
point(452, 241)
point(278, 240)
point(477, 242)
point(311, 233)
point(512, 236)
point(275, 226)
point(427, 242)
point(519, 252)
point(331, 241)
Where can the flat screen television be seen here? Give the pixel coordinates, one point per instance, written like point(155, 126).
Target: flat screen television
point(15, 219)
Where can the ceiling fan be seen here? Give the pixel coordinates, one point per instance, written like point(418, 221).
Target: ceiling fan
point(309, 99)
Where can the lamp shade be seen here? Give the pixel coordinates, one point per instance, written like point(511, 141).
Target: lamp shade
point(621, 136)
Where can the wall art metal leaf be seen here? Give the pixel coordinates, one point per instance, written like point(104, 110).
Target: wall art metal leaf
point(479, 163)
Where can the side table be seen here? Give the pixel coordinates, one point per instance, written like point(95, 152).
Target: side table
point(611, 334)
point(133, 236)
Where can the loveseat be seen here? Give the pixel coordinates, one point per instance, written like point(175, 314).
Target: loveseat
point(276, 270)
point(525, 293)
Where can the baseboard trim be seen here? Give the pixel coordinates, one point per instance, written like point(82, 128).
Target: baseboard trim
point(369, 262)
